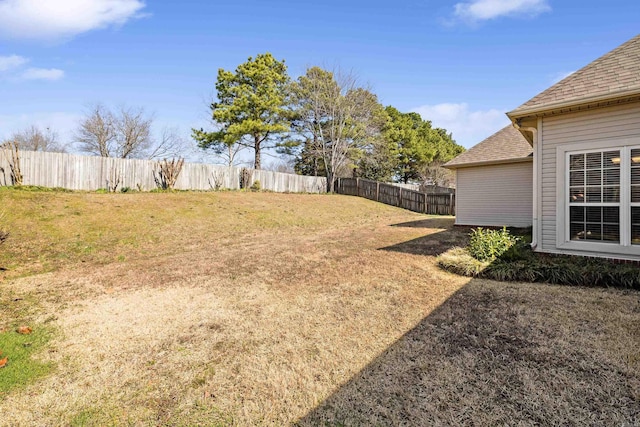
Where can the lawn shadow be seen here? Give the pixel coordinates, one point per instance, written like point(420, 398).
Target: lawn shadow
point(494, 354)
point(443, 235)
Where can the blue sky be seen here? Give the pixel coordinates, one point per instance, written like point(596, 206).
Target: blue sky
point(460, 64)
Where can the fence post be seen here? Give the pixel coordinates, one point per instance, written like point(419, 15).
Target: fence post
point(450, 203)
point(358, 187)
point(400, 198)
point(377, 191)
point(425, 203)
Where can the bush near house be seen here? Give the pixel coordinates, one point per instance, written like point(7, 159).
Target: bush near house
point(487, 245)
point(501, 255)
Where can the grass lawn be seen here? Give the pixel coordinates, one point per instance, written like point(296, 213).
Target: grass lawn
point(237, 308)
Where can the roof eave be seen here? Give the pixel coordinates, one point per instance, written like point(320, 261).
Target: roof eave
point(624, 96)
point(529, 158)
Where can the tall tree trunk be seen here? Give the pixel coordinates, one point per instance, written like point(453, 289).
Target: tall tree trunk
point(315, 154)
point(257, 141)
point(331, 182)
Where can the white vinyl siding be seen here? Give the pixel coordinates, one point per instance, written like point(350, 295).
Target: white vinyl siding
point(611, 123)
point(495, 195)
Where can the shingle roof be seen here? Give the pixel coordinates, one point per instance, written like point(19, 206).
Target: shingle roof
point(503, 146)
point(616, 73)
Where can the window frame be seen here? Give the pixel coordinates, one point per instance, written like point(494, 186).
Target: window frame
point(632, 204)
point(563, 238)
point(585, 185)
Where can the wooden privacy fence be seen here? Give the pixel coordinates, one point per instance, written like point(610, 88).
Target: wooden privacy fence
point(75, 172)
point(390, 194)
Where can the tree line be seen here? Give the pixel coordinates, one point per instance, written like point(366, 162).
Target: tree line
point(324, 121)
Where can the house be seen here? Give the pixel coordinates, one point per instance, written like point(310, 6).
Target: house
point(494, 181)
point(584, 133)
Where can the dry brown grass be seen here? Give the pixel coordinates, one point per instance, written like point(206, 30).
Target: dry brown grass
point(504, 354)
point(263, 309)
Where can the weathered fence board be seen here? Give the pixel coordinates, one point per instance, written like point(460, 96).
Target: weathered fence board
point(412, 200)
point(75, 172)
point(367, 189)
point(440, 204)
point(391, 194)
point(348, 186)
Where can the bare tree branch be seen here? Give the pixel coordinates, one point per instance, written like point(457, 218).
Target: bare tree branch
point(133, 133)
point(170, 145)
point(35, 139)
point(96, 133)
point(167, 172)
point(127, 134)
point(334, 117)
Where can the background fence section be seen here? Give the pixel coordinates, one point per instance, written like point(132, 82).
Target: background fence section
point(391, 194)
point(75, 172)
point(368, 189)
point(286, 182)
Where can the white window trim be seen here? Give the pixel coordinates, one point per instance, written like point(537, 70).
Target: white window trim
point(562, 205)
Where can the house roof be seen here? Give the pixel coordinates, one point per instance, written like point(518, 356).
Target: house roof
point(614, 75)
point(505, 146)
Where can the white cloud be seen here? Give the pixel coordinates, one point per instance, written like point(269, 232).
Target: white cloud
point(468, 127)
point(10, 62)
point(482, 10)
point(42, 74)
point(11, 69)
point(47, 19)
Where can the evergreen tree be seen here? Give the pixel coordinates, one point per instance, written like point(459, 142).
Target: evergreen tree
point(250, 110)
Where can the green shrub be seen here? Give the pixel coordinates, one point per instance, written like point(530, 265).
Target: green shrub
point(256, 186)
point(511, 271)
point(459, 260)
point(521, 264)
point(487, 245)
point(520, 251)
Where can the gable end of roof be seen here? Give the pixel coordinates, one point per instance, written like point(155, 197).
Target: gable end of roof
point(507, 145)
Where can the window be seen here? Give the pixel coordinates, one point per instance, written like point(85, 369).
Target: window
point(594, 196)
point(635, 195)
point(599, 199)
